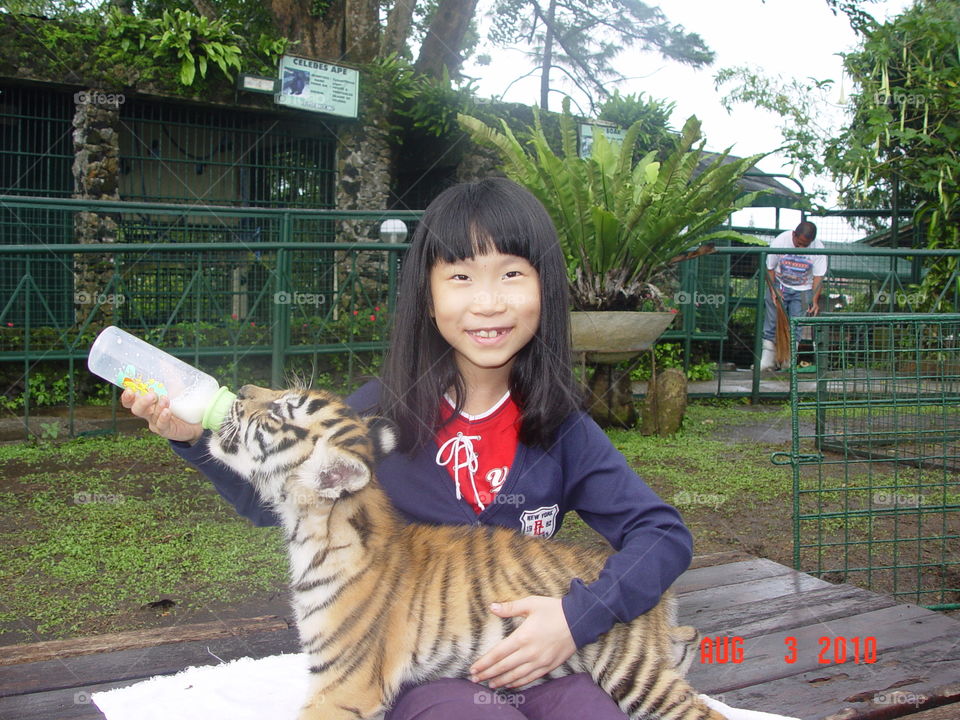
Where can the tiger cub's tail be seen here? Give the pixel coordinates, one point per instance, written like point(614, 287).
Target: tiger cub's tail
point(667, 697)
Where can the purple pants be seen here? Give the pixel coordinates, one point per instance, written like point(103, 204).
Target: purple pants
point(569, 698)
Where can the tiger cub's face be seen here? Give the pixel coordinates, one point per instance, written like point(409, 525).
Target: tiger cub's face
point(299, 443)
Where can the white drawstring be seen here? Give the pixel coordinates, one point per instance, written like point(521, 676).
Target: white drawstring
point(453, 447)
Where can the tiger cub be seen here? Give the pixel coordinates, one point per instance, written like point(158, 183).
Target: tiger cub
point(380, 603)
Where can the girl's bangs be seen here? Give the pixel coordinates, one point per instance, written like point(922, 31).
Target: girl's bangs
point(481, 225)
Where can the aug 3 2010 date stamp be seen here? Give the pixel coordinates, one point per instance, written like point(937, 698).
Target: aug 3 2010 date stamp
point(835, 650)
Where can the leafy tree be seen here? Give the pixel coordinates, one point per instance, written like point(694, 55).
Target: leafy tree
point(903, 131)
point(581, 39)
point(905, 123)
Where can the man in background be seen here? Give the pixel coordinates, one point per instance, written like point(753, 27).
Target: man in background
point(794, 282)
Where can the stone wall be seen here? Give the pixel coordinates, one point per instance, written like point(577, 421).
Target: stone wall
point(96, 167)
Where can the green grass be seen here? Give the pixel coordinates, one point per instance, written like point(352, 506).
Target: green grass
point(694, 467)
point(692, 470)
point(99, 527)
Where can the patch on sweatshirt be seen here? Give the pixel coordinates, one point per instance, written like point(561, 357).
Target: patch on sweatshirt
point(541, 522)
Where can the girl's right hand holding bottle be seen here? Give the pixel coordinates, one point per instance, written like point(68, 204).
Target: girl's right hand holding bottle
point(156, 411)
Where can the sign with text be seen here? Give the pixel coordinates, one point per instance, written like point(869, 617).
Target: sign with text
point(318, 86)
point(614, 135)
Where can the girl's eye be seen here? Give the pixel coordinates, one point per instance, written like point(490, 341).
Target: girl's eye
point(513, 273)
point(459, 276)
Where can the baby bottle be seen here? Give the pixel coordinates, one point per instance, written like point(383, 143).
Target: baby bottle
point(132, 364)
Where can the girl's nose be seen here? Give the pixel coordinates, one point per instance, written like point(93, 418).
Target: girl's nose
point(486, 303)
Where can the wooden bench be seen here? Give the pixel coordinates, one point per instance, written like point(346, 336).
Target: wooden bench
point(747, 609)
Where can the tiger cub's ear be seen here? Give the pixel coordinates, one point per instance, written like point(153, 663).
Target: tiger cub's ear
point(383, 436)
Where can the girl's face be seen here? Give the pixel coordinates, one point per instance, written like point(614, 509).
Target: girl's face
point(487, 308)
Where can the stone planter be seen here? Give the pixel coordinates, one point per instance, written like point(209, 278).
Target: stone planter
point(611, 337)
point(606, 339)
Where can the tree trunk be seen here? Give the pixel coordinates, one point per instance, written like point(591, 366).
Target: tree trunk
point(313, 36)
point(399, 23)
point(204, 8)
point(441, 46)
point(347, 30)
point(362, 31)
point(547, 57)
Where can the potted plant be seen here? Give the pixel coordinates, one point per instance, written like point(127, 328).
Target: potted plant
point(622, 221)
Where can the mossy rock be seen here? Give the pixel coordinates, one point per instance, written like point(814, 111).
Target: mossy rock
point(665, 403)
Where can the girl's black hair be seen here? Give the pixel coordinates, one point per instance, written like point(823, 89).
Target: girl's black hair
point(462, 222)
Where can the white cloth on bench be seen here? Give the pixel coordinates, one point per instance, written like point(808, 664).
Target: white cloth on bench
point(271, 688)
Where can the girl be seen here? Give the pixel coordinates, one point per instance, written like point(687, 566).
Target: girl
point(479, 381)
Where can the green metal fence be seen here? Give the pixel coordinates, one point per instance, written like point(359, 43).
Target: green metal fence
point(876, 454)
point(861, 279)
point(231, 283)
point(268, 302)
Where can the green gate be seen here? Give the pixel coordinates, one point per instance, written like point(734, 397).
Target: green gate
point(876, 453)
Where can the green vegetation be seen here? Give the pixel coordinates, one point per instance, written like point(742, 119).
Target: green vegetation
point(171, 52)
point(621, 220)
point(899, 139)
point(670, 355)
point(95, 529)
point(695, 463)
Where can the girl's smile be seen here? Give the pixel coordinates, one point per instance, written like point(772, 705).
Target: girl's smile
point(487, 308)
point(488, 337)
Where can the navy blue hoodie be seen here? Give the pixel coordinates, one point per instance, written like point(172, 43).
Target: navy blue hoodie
point(581, 471)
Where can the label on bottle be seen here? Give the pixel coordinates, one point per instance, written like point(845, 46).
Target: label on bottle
point(129, 378)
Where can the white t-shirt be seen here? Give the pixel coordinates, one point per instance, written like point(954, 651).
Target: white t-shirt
point(796, 272)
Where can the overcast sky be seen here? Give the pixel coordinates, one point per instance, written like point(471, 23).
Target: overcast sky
point(792, 38)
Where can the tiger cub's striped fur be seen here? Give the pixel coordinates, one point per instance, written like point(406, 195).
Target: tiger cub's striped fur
point(379, 602)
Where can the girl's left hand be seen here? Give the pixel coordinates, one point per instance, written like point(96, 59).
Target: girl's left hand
point(541, 643)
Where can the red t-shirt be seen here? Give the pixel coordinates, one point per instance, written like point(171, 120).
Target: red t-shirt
point(478, 450)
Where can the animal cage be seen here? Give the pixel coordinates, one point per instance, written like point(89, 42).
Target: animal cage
point(876, 453)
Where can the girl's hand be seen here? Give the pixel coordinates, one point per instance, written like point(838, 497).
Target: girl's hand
point(541, 643)
point(156, 411)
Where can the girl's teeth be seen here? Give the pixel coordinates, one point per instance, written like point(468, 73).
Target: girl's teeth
point(486, 333)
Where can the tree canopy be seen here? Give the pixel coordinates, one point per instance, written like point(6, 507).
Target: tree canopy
point(574, 39)
point(581, 39)
point(900, 142)
point(903, 112)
